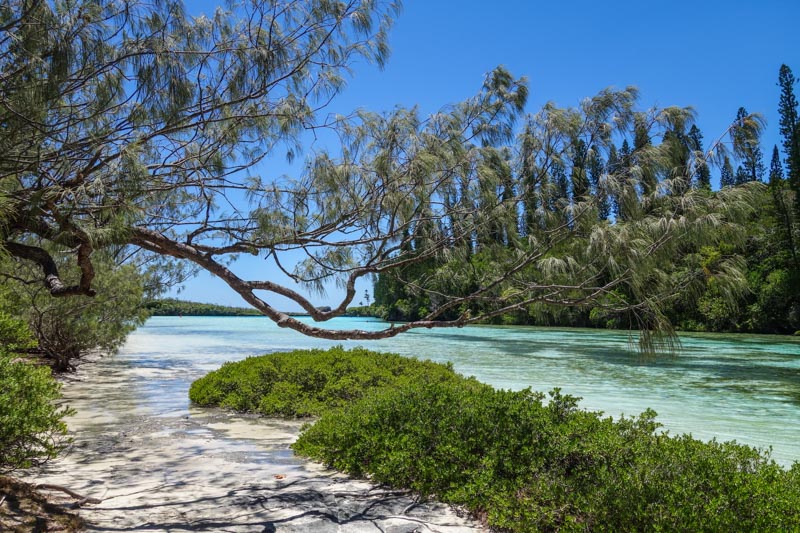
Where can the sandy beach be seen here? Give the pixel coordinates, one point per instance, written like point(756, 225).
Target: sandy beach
point(160, 467)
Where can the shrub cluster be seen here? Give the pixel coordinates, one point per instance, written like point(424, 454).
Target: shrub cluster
point(66, 329)
point(524, 464)
point(31, 426)
point(307, 382)
point(521, 461)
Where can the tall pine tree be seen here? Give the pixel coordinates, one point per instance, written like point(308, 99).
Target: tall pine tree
point(627, 192)
point(702, 177)
point(742, 176)
point(641, 140)
point(580, 181)
point(775, 169)
point(612, 169)
point(561, 184)
point(747, 147)
point(726, 178)
point(781, 208)
point(596, 169)
point(790, 130)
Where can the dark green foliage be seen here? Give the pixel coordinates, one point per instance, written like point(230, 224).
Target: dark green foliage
point(31, 426)
point(726, 178)
point(789, 129)
point(596, 168)
point(703, 178)
point(308, 382)
point(580, 179)
point(745, 136)
point(68, 328)
point(742, 176)
point(365, 311)
point(787, 108)
point(561, 185)
point(775, 169)
point(526, 465)
point(175, 307)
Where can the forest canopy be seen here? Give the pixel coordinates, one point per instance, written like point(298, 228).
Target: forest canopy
point(134, 131)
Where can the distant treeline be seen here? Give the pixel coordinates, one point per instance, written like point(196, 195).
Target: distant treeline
point(749, 282)
point(175, 307)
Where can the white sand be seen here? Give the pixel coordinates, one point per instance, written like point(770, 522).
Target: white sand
point(164, 468)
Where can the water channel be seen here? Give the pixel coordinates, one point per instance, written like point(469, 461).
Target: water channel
point(729, 387)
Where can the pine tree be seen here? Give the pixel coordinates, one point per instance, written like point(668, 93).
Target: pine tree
point(790, 130)
point(775, 169)
point(787, 108)
point(741, 176)
point(781, 206)
point(676, 145)
point(702, 172)
point(530, 200)
point(596, 169)
point(746, 146)
point(580, 181)
point(641, 140)
point(625, 155)
point(726, 178)
point(612, 169)
point(627, 192)
point(561, 183)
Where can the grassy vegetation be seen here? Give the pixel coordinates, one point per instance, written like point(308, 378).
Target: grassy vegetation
point(521, 461)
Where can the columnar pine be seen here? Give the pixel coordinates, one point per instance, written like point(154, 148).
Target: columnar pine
point(613, 166)
point(790, 130)
point(726, 178)
point(580, 181)
point(702, 175)
point(561, 184)
point(746, 133)
point(596, 170)
point(775, 169)
point(626, 195)
point(641, 140)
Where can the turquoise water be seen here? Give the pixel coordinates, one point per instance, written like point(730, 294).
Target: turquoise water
point(743, 387)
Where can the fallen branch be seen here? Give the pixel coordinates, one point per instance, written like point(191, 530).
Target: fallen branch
point(410, 506)
point(81, 498)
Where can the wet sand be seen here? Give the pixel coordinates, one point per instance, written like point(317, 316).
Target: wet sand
point(159, 465)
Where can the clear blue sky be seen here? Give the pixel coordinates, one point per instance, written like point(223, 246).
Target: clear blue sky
point(713, 55)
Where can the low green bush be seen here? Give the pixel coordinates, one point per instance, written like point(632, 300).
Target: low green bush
point(526, 464)
point(522, 461)
point(307, 382)
point(31, 426)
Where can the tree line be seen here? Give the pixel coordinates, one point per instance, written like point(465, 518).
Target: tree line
point(562, 180)
point(133, 135)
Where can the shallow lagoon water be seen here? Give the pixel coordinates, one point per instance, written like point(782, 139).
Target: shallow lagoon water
point(730, 387)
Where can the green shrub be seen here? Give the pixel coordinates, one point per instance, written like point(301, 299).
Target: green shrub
point(528, 465)
point(307, 382)
point(31, 426)
point(66, 329)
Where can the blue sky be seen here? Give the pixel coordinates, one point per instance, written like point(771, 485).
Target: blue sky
point(709, 54)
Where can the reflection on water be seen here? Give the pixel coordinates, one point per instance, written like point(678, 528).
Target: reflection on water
point(742, 387)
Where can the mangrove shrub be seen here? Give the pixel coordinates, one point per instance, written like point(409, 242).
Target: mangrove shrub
point(308, 382)
point(526, 464)
point(31, 425)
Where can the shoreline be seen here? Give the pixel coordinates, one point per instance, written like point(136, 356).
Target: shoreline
point(163, 467)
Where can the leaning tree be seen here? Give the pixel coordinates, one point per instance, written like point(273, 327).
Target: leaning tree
point(134, 126)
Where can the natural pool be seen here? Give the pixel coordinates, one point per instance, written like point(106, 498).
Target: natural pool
point(742, 387)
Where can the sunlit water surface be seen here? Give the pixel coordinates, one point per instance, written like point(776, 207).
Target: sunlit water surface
point(730, 387)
